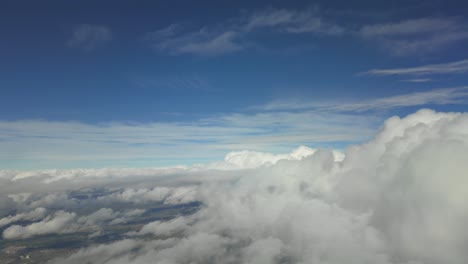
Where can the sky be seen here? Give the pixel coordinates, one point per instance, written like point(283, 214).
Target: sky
point(275, 131)
point(93, 84)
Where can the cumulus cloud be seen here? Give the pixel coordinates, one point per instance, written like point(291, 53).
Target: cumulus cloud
point(397, 199)
point(166, 195)
point(33, 215)
point(166, 228)
point(60, 222)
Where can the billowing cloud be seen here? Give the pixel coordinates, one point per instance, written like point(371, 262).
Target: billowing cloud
point(397, 199)
point(60, 222)
point(35, 214)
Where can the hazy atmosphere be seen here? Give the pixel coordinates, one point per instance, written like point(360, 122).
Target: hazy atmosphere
point(173, 132)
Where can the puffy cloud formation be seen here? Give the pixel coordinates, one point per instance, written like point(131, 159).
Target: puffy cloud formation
point(398, 199)
point(64, 222)
point(252, 159)
point(58, 223)
point(36, 214)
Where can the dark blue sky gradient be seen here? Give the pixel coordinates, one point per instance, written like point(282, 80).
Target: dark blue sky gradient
point(42, 77)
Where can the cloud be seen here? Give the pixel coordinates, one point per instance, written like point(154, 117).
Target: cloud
point(292, 21)
point(455, 67)
point(457, 95)
point(58, 223)
point(178, 195)
point(102, 253)
point(143, 144)
point(231, 36)
point(411, 36)
point(397, 199)
point(165, 228)
point(418, 80)
point(62, 222)
point(277, 126)
point(88, 37)
point(408, 27)
point(416, 36)
point(37, 213)
point(202, 42)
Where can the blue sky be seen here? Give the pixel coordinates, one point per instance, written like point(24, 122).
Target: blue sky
point(158, 83)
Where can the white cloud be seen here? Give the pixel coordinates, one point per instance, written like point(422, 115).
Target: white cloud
point(102, 253)
point(202, 42)
point(88, 37)
point(60, 222)
point(417, 36)
point(229, 37)
point(442, 96)
point(408, 27)
point(292, 21)
point(277, 126)
point(418, 80)
point(40, 143)
point(397, 199)
point(165, 228)
point(33, 215)
point(166, 195)
point(455, 67)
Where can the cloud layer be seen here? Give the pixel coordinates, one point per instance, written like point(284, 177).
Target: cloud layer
point(403, 37)
point(400, 198)
point(39, 144)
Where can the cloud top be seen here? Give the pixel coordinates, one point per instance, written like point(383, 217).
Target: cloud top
point(397, 199)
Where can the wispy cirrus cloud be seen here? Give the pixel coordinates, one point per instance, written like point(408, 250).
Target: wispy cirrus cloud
point(202, 42)
point(455, 67)
point(416, 36)
point(457, 95)
point(228, 37)
point(410, 36)
point(292, 21)
point(39, 144)
point(417, 80)
point(276, 126)
point(88, 37)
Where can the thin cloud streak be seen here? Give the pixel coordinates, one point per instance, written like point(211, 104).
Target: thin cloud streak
point(412, 36)
point(225, 37)
point(292, 21)
point(416, 36)
point(455, 67)
point(457, 95)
